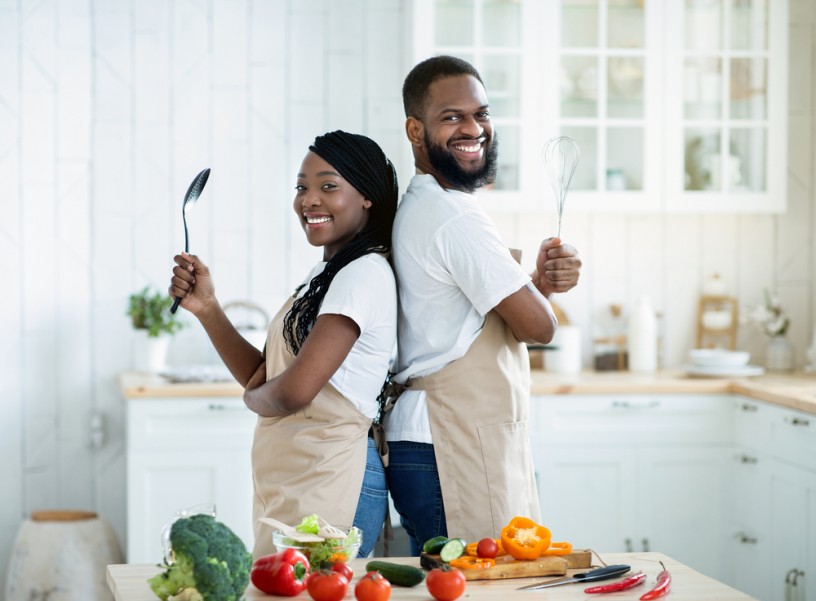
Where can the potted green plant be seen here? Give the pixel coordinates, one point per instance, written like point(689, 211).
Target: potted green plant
point(149, 312)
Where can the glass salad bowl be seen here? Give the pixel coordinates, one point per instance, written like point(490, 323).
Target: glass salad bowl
point(331, 550)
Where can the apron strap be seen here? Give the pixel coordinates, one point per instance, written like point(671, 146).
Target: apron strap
point(389, 393)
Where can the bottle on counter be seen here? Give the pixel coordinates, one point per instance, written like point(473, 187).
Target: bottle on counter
point(642, 337)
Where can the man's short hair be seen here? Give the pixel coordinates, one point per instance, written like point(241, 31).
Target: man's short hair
point(418, 82)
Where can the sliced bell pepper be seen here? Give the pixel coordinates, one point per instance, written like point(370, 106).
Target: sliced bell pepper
point(467, 562)
point(559, 548)
point(522, 538)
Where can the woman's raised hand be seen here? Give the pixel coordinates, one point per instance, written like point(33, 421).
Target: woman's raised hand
point(192, 283)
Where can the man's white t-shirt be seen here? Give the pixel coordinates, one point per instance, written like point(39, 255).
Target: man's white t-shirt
point(365, 291)
point(452, 268)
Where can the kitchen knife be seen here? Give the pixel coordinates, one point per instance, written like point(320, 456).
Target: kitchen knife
point(599, 574)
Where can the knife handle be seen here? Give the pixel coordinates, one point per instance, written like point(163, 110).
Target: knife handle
point(603, 573)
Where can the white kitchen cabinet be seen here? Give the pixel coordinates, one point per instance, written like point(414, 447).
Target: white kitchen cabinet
point(638, 472)
point(183, 452)
point(677, 105)
point(775, 500)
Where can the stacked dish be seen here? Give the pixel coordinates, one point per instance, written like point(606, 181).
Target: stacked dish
point(721, 363)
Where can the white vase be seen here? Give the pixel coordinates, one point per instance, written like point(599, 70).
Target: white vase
point(779, 354)
point(149, 352)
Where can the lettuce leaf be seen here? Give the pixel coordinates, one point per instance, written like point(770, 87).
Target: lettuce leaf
point(308, 524)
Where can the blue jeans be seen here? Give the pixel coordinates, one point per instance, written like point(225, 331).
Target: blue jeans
point(414, 484)
point(373, 503)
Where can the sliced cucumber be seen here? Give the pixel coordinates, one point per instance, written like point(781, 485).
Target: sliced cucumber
point(434, 545)
point(453, 549)
point(397, 574)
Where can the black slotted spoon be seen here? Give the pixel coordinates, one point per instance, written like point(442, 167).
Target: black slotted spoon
point(193, 192)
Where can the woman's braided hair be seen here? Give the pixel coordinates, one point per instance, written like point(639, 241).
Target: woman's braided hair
point(363, 164)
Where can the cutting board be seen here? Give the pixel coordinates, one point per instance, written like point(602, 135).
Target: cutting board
point(507, 567)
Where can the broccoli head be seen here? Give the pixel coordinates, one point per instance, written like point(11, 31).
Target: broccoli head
point(207, 557)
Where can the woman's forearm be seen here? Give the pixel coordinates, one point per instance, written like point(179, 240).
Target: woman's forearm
point(239, 355)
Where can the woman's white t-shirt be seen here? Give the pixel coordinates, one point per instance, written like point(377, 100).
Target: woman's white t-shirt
point(364, 291)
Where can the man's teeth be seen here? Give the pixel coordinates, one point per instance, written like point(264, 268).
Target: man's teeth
point(318, 219)
point(471, 148)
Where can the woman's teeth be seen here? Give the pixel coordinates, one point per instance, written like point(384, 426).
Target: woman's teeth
point(312, 220)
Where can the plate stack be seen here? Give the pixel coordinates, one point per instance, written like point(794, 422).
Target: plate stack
point(717, 363)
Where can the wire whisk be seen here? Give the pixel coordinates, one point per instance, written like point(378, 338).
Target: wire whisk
point(561, 156)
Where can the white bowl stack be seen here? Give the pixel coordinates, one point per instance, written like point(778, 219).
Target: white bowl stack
point(721, 362)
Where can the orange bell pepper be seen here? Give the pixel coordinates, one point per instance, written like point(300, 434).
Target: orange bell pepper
point(559, 549)
point(467, 562)
point(522, 538)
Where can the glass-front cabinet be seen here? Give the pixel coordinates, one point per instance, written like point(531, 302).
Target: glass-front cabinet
point(730, 61)
point(677, 105)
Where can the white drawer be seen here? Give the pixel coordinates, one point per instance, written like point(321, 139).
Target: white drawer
point(173, 423)
point(640, 418)
point(793, 437)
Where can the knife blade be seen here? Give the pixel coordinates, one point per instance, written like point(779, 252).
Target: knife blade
point(597, 574)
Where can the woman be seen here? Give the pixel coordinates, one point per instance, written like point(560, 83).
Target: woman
point(327, 353)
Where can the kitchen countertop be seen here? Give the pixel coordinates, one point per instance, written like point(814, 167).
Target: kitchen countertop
point(794, 391)
point(129, 583)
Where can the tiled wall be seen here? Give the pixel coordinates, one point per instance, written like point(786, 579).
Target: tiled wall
point(109, 107)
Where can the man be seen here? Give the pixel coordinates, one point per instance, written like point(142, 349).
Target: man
point(460, 458)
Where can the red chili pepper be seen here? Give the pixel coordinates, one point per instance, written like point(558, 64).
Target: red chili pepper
point(620, 585)
point(662, 586)
point(283, 573)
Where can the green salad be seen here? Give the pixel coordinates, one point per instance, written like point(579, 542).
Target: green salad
point(330, 550)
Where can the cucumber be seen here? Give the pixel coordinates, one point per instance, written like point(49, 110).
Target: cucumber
point(434, 545)
point(453, 549)
point(397, 574)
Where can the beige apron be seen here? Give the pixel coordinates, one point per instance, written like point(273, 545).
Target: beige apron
point(312, 461)
point(478, 408)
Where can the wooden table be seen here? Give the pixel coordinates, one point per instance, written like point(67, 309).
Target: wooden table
point(129, 583)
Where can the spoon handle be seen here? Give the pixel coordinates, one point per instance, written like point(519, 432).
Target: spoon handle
point(176, 302)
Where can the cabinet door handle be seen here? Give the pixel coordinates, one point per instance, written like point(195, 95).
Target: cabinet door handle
point(747, 459)
point(645, 543)
point(631, 405)
point(798, 421)
point(745, 539)
point(749, 408)
point(627, 543)
point(792, 577)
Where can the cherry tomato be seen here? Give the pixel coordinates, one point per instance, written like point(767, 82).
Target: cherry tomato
point(372, 587)
point(344, 569)
point(445, 584)
point(487, 547)
point(326, 586)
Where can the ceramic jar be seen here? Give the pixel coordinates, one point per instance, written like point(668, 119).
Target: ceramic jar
point(779, 355)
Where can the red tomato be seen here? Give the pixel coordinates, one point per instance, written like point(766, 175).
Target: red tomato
point(344, 569)
point(372, 587)
point(326, 586)
point(445, 585)
point(487, 547)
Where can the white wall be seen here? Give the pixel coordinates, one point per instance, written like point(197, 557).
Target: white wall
point(109, 107)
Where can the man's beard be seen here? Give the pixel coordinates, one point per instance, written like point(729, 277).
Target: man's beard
point(447, 166)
